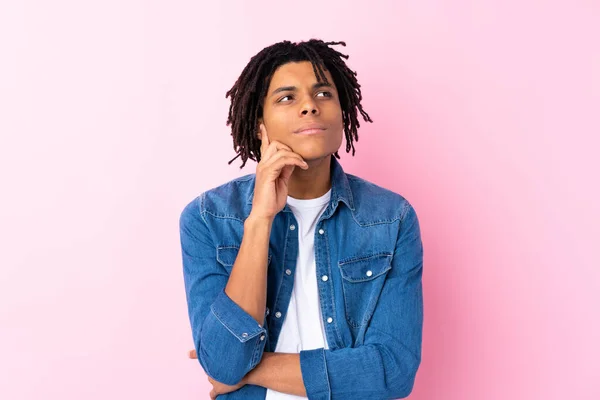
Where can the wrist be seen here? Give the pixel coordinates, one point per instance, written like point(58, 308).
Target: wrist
point(258, 220)
point(246, 379)
point(250, 378)
point(253, 377)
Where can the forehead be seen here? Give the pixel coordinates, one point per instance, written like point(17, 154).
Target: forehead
point(296, 73)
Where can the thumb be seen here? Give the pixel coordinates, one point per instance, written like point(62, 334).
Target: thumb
point(286, 173)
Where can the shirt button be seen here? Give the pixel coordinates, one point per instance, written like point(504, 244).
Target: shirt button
point(267, 310)
point(278, 314)
point(292, 227)
point(329, 320)
point(369, 273)
point(262, 337)
point(324, 278)
point(288, 271)
point(321, 231)
point(244, 334)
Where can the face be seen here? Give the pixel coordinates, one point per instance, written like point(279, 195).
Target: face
point(295, 101)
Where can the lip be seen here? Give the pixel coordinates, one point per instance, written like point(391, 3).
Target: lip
point(310, 129)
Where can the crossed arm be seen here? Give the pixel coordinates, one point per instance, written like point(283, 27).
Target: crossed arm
point(276, 371)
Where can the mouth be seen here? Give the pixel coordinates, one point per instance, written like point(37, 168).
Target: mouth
point(311, 129)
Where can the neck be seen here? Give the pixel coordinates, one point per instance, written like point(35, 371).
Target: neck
point(313, 182)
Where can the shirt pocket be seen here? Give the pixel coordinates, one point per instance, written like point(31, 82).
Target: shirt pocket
point(226, 256)
point(362, 281)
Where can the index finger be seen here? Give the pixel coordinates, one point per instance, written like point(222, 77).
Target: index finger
point(264, 144)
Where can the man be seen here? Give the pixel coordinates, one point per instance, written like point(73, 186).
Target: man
point(302, 281)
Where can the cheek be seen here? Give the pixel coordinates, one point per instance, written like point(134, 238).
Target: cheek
point(335, 114)
point(339, 125)
point(278, 123)
point(340, 137)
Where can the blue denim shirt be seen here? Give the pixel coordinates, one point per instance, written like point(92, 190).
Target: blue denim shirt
point(368, 244)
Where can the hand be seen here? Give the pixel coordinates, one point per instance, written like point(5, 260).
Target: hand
point(221, 388)
point(273, 172)
point(218, 387)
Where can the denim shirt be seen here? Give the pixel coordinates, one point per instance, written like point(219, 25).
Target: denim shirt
point(369, 262)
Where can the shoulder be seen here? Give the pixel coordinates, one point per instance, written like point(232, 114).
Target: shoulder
point(227, 200)
point(376, 203)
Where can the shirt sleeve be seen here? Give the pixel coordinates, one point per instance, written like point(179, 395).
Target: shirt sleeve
point(385, 366)
point(228, 340)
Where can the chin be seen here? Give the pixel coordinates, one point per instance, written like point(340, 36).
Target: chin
point(312, 155)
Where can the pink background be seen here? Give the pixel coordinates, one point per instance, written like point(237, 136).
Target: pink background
point(112, 118)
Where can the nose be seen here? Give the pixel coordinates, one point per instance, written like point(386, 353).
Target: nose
point(309, 106)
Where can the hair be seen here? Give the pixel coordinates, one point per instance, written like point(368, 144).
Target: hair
point(249, 91)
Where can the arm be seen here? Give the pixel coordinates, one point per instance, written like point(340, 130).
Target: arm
point(280, 372)
point(226, 312)
point(247, 284)
point(277, 371)
point(384, 367)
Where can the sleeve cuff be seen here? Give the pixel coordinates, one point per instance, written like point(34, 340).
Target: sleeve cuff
point(237, 321)
point(314, 374)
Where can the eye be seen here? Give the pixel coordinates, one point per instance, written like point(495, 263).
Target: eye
point(280, 99)
point(328, 94)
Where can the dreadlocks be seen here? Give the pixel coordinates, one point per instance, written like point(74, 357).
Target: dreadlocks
point(248, 92)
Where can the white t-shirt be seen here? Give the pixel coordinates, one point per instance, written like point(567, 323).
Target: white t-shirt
point(302, 327)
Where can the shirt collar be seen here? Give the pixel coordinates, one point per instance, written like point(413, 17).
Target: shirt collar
point(340, 188)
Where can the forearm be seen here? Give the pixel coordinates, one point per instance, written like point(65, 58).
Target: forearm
point(247, 284)
point(280, 372)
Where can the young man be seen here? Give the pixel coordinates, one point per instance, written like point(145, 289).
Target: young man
point(302, 280)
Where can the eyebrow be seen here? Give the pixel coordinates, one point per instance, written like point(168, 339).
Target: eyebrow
point(317, 85)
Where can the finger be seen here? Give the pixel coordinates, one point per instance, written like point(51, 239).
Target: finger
point(282, 153)
point(192, 354)
point(286, 172)
point(264, 139)
point(265, 134)
point(213, 395)
point(276, 164)
point(273, 148)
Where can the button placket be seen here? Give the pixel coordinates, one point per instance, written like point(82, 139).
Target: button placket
point(327, 293)
point(288, 271)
